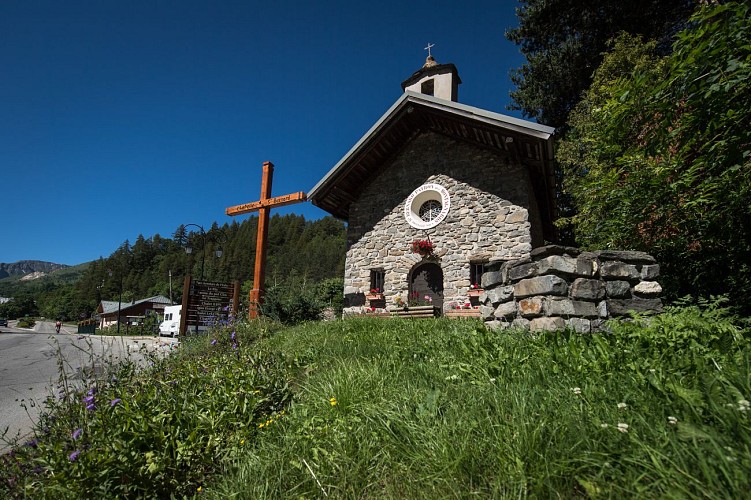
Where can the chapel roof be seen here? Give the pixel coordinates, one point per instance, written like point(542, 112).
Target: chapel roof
point(413, 113)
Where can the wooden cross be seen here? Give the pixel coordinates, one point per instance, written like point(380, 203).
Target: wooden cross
point(430, 46)
point(263, 206)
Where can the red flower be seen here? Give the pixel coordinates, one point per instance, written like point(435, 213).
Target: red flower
point(423, 247)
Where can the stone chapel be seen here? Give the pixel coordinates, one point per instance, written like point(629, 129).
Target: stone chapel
point(476, 184)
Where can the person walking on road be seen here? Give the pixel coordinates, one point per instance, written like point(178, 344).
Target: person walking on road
point(58, 324)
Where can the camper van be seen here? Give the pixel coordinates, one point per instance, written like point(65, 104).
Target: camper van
point(171, 324)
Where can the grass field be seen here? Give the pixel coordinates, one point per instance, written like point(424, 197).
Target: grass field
point(412, 409)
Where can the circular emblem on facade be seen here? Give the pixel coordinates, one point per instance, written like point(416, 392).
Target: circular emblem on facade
point(427, 206)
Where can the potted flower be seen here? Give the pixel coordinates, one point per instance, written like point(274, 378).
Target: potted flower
point(475, 290)
point(374, 294)
point(424, 247)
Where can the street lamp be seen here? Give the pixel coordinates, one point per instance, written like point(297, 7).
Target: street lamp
point(189, 247)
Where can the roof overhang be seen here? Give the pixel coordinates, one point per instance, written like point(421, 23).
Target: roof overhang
point(413, 113)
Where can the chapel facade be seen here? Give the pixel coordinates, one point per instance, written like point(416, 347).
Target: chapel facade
point(477, 185)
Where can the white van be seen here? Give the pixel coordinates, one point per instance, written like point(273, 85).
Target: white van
point(171, 324)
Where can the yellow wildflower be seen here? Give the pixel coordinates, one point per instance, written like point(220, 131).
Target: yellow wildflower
point(333, 401)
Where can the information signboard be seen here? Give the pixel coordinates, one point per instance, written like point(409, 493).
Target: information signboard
point(207, 303)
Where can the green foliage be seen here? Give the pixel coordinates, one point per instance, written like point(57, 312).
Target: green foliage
point(314, 249)
point(293, 301)
point(155, 433)
point(411, 409)
point(563, 42)
point(26, 322)
point(417, 409)
point(19, 307)
point(659, 152)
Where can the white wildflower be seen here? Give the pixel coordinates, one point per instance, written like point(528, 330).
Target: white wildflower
point(576, 390)
point(743, 404)
point(622, 427)
point(672, 420)
point(604, 426)
point(622, 406)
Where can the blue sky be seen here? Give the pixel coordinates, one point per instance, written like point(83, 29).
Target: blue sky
point(120, 118)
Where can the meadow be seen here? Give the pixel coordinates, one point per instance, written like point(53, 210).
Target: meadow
point(389, 408)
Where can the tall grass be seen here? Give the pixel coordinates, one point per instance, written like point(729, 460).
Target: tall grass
point(409, 409)
point(448, 409)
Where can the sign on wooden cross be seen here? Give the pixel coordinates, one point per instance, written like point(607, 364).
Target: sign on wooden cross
point(263, 206)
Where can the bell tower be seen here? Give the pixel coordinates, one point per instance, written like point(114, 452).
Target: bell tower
point(439, 80)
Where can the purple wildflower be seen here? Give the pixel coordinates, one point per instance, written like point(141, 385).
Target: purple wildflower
point(114, 402)
point(91, 407)
point(88, 399)
point(234, 345)
point(232, 337)
point(213, 342)
point(77, 433)
point(73, 456)
point(32, 444)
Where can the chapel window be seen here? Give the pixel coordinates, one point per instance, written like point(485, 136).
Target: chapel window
point(377, 277)
point(428, 87)
point(476, 269)
point(430, 210)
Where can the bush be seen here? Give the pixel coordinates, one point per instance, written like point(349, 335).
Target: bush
point(293, 302)
point(26, 322)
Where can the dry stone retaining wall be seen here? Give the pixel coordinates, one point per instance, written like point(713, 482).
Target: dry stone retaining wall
point(557, 286)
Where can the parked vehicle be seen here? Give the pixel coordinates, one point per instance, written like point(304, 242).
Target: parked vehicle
point(171, 324)
point(3, 321)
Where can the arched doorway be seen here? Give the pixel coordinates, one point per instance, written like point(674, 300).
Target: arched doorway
point(427, 279)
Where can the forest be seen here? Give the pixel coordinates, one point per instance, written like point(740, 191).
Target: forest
point(300, 252)
point(651, 100)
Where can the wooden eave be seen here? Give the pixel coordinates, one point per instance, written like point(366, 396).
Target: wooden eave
point(413, 114)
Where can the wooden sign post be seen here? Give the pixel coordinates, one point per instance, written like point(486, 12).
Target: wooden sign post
point(263, 206)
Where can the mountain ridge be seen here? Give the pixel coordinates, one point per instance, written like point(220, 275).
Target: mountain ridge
point(25, 267)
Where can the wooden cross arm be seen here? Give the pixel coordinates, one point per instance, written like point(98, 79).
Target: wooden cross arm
point(277, 201)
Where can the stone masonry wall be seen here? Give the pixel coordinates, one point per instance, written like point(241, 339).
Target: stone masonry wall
point(492, 217)
point(556, 287)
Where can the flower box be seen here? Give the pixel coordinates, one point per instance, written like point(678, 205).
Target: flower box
point(374, 296)
point(462, 313)
point(475, 292)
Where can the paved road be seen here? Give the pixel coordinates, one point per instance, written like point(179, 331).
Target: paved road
point(29, 366)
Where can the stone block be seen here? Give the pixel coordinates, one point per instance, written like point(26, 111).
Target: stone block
point(561, 265)
point(568, 308)
point(650, 271)
point(618, 289)
point(506, 310)
point(546, 324)
point(500, 294)
point(602, 309)
point(541, 252)
point(648, 289)
point(587, 264)
point(630, 257)
point(497, 326)
point(623, 307)
point(587, 289)
point(541, 285)
point(491, 279)
point(486, 312)
point(619, 270)
point(579, 325)
point(521, 323)
point(531, 307)
point(517, 273)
